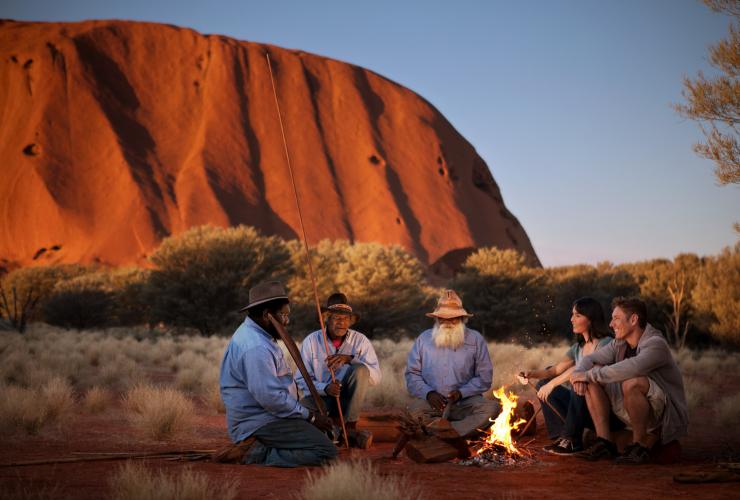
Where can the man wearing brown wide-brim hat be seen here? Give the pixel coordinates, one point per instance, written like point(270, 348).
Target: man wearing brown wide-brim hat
point(353, 359)
point(264, 418)
point(449, 369)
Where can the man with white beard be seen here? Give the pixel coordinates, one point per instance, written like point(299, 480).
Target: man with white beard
point(449, 369)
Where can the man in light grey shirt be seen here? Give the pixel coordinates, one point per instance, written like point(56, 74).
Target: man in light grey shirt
point(637, 378)
point(352, 358)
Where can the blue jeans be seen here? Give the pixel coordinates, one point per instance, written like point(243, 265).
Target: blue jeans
point(290, 442)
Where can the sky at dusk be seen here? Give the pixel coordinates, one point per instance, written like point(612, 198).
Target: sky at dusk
point(568, 102)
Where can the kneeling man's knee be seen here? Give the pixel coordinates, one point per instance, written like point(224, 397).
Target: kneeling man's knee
point(361, 371)
point(639, 384)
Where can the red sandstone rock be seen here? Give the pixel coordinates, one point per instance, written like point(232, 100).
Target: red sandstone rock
point(115, 135)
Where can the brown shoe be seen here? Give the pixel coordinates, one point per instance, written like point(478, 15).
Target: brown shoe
point(233, 453)
point(360, 439)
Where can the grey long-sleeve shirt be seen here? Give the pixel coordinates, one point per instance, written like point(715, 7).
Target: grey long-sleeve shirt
point(654, 360)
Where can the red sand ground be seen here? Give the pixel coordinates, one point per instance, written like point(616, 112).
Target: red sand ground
point(116, 134)
point(550, 477)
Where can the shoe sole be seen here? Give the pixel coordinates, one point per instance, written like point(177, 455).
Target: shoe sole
point(563, 453)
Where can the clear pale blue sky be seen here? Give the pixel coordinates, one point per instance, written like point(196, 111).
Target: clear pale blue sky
point(567, 101)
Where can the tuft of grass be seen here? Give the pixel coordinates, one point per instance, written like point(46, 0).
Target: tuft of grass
point(97, 400)
point(30, 410)
point(728, 412)
point(56, 395)
point(160, 413)
point(20, 410)
point(358, 480)
point(30, 490)
point(133, 481)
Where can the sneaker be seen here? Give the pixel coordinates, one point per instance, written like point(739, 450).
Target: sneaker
point(602, 448)
point(562, 446)
point(634, 454)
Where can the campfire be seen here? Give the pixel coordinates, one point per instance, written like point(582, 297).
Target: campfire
point(497, 447)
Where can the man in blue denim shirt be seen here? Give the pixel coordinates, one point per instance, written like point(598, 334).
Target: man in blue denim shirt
point(263, 414)
point(448, 370)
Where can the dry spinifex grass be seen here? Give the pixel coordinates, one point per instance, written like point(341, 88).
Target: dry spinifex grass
point(133, 481)
point(32, 409)
point(358, 480)
point(159, 412)
point(96, 400)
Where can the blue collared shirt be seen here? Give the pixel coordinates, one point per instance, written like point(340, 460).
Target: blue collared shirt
point(467, 369)
point(314, 356)
point(257, 384)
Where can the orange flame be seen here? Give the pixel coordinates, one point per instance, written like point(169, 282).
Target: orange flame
point(500, 432)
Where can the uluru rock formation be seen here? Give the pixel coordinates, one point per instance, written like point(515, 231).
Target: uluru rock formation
point(116, 134)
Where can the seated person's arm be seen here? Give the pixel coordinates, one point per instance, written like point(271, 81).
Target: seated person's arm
point(307, 355)
point(265, 386)
point(366, 355)
point(546, 389)
point(651, 357)
point(483, 377)
point(552, 371)
point(415, 383)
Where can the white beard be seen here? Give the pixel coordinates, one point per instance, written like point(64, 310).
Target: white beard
point(448, 337)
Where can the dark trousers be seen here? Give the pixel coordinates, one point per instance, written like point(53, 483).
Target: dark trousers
point(351, 395)
point(290, 442)
point(572, 407)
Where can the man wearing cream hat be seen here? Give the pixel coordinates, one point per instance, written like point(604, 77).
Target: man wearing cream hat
point(448, 370)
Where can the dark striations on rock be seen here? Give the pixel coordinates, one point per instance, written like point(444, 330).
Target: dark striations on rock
point(149, 129)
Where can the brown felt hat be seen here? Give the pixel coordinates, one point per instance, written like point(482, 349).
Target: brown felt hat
point(265, 292)
point(337, 303)
point(449, 306)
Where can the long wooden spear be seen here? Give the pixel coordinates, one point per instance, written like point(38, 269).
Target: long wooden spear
point(305, 245)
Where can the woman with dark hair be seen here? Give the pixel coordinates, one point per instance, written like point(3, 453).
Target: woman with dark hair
point(592, 332)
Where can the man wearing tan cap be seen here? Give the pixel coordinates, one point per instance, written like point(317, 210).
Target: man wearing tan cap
point(264, 418)
point(449, 369)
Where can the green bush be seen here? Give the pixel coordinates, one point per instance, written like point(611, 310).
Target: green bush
point(568, 283)
point(716, 296)
point(507, 298)
point(666, 287)
point(23, 292)
point(79, 309)
point(202, 276)
point(385, 284)
point(103, 297)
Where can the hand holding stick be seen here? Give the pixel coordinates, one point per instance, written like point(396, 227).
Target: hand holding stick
point(525, 381)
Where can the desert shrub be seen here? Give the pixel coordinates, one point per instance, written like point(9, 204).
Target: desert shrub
point(366, 483)
point(568, 283)
point(78, 309)
point(385, 284)
point(505, 296)
point(716, 296)
point(666, 287)
point(160, 413)
point(32, 409)
point(728, 412)
point(133, 481)
point(696, 391)
point(96, 400)
point(103, 297)
point(203, 275)
point(24, 291)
